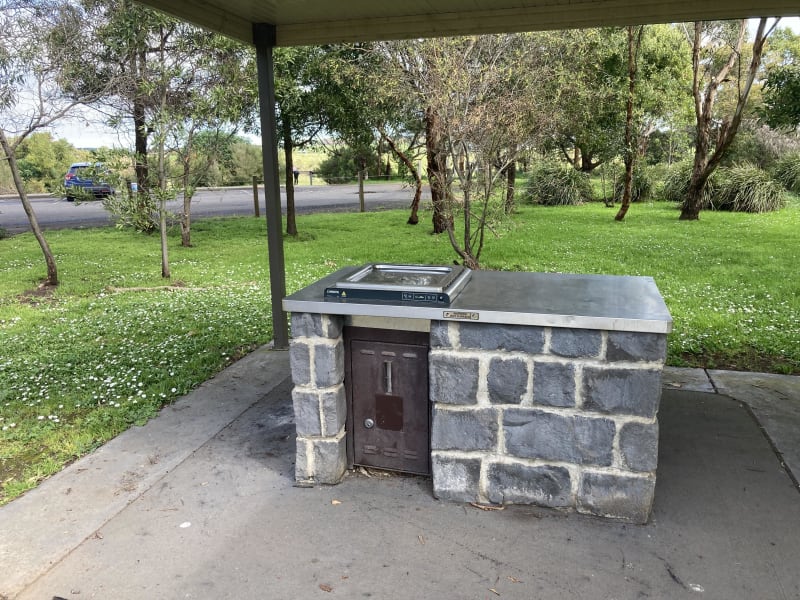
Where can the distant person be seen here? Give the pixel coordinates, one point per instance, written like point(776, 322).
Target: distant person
point(296, 173)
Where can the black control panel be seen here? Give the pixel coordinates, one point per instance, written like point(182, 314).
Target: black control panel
point(395, 296)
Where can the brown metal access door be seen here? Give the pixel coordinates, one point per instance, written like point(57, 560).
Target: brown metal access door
point(387, 392)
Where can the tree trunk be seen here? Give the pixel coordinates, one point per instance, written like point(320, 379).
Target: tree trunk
point(162, 217)
point(437, 171)
point(186, 215)
point(630, 151)
point(140, 129)
point(362, 165)
point(188, 192)
point(288, 153)
point(52, 270)
point(413, 219)
point(690, 210)
point(162, 210)
point(511, 179)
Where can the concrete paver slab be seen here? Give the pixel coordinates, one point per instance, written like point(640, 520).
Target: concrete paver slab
point(691, 380)
point(775, 401)
point(44, 525)
point(228, 523)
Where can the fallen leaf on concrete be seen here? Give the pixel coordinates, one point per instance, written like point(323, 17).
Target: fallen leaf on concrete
point(487, 506)
point(494, 591)
point(97, 535)
point(185, 524)
point(325, 587)
point(513, 579)
point(336, 502)
point(675, 384)
point(421, 539)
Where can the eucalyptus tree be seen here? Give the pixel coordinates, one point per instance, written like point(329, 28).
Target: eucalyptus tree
point(589, 87)
point(781, 92)
point(300, 108)
point(411, 79)
point(345, 81)
point(629, 153)
point(217, 100)
point(781, 98)
point(718, 56)
point(397, 111)
point(659, 74)
point(173, 80)
point(38, 39)
point(485, 92)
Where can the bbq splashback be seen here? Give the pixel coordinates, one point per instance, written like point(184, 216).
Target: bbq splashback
point(404, 284)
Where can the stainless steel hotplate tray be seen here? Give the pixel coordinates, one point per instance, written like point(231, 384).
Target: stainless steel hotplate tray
point(405, 284)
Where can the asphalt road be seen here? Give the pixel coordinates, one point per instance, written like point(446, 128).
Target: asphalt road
point(57, 213)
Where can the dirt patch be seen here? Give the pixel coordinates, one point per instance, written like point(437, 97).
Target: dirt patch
point(43, 293)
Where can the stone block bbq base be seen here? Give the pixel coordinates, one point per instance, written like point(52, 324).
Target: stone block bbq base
point(551, 416)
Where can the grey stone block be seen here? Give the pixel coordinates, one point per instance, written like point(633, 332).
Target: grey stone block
point(622, 391)
point(464, 430)
point(507, 380)
point(626, 345)
point(523, 484)
point(440, 335)
point(306, 412)
point(316, 325)
point(575, 343)
point(617, 496)
point(455, 479)
point(453, 379)
point(554, 384)
point(302, 463)
point(332, 326)
point(334, 410)
point(300, 362)
point(306, 325)
point(638, 443)
point(547, 436)
point(513, 338)
point(330, 459)
point(328, 364)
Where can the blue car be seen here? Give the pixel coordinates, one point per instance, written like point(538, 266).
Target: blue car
point(81, 181)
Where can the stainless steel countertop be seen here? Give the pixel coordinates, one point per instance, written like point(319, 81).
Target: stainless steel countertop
point(609, 302)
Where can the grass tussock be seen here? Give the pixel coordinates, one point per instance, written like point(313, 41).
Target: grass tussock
point(787, 172)
point(557, 184)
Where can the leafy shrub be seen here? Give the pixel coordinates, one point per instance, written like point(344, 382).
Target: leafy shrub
point(557, 184)
point(642, 186)
point(742, 188)
point(787, 172)
point(746, 188)
point(139, 210)
point(343, 166)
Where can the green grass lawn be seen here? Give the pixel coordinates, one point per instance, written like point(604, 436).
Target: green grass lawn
point(103, 351)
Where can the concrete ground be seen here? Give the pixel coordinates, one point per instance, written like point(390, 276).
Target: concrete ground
point(200, 503)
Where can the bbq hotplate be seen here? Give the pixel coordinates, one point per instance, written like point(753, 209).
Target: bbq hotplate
point(403, 284)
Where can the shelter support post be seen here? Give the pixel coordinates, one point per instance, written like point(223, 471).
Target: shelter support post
point(264, 40)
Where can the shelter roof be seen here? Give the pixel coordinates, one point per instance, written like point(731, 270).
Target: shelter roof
point(312, 22)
